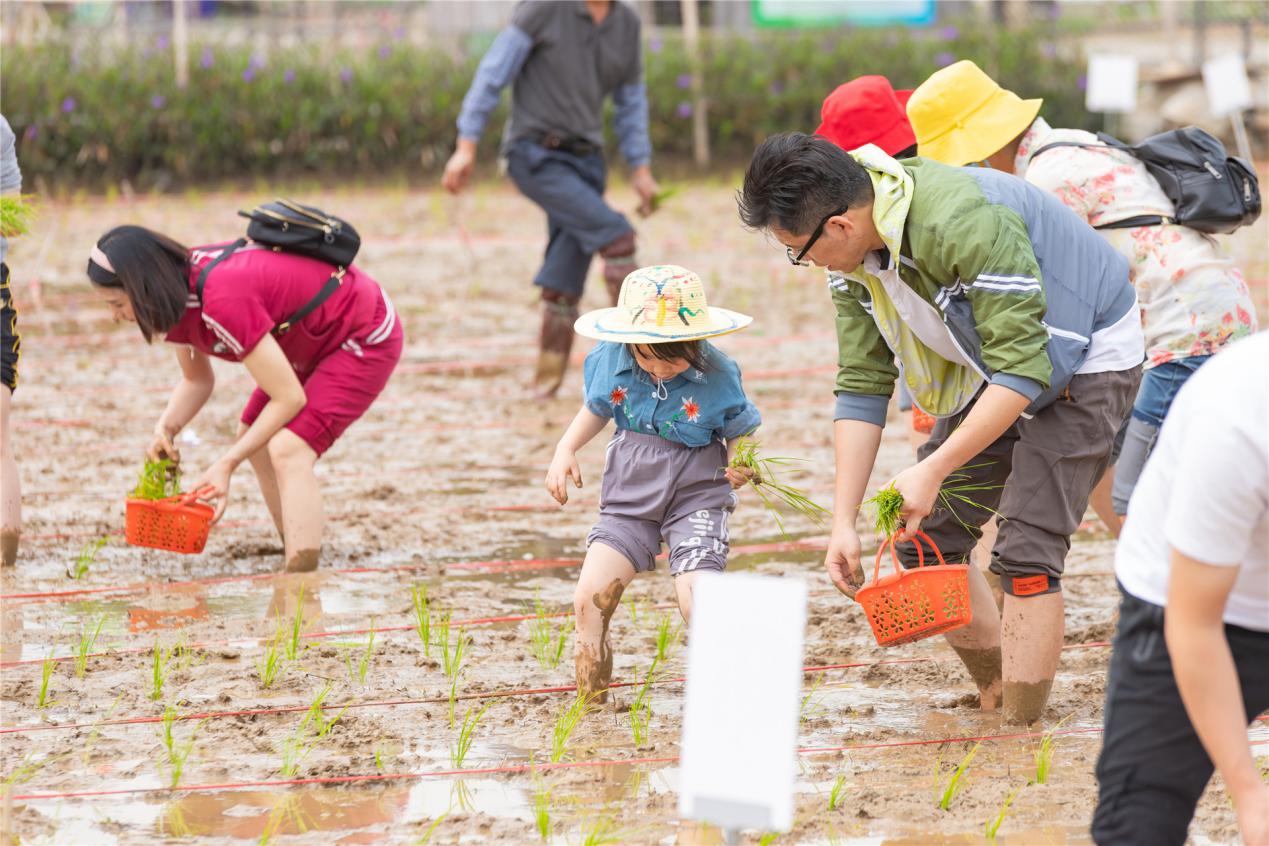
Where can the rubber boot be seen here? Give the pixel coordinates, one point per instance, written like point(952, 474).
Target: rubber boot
point(559, 313)
point(619, 262)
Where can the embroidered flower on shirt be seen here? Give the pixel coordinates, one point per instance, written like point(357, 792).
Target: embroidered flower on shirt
point(618, 395)
point(691, 409)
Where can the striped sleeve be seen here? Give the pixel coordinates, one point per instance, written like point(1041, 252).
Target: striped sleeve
point(988, 252)
point(866, 371)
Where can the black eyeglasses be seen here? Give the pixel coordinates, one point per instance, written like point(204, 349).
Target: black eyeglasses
point(797, 261)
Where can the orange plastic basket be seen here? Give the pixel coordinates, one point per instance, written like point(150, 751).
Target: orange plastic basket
point(177, 523)
point(909, 605)
point(922, 422)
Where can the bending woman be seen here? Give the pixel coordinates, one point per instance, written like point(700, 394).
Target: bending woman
point(313, 379)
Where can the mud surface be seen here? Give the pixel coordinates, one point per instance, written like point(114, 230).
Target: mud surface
point(440, 487)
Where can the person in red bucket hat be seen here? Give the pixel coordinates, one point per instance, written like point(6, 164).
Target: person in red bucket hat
point(867, 110)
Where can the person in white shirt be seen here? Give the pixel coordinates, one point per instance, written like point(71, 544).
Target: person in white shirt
point(1190, 667)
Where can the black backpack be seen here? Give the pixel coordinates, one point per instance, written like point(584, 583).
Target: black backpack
point(287, 226)
point(1212, 191)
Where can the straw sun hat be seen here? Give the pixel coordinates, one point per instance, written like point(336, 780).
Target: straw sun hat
point(660, 304)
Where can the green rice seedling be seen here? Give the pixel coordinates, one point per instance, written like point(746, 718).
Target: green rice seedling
point(958, 487)
point(47, 667)
point(426, 837)
point(771, 490)
point(272, 662)
point(28, 768)
point(17, 213)
point(567, 722)
point(87, 555)
point(312, 729)
point(768, 838)
point(442, 638)
point(838, 793)
point(811, 706)
point(888, 502)
point(603, 829)
point(453, 699)
point(287, 809)
point(668, 635)
point(422, 617)
point(1044, 755)
point(640, 713)
point(659, 198)
point(294, 648)
point(177, 754)
point(453, 658)
point(159, 669)
point(542, 812)
point(184, 655)
point(159, 480)
point(632, 605)
point(546, 640)
point(466, 736)
point(992, 826)
point(362, 666)
point(957, 781)
point(86, 749)
point(87, 641)
point(378, 749)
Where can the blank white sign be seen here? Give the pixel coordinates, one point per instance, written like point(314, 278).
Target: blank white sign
point(1228, 88)
point(740, 717)
point(1112, 84)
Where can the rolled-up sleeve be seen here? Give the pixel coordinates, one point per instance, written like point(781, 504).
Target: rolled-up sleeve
point(496, 71)
point(740, 421)
point(597, 382)
point(630, 120)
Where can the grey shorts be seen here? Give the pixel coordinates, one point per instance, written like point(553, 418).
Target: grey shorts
point(656, 489)
point(1038, 476)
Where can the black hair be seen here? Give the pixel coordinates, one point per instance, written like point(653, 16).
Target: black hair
point(695, 353)
point(907, 152)
point(152, 269)
point(795, 180)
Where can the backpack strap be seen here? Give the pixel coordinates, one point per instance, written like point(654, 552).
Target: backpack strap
point(1126, 223)
point(332, 284)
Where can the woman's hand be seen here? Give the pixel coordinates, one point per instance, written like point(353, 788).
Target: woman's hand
point(213, 486)
point(563, 467)
point(740, 476)
point(919, 485)
point(163, 446)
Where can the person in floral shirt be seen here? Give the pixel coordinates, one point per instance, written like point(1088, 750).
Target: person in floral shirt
point(1193, 298)
point(679, 408)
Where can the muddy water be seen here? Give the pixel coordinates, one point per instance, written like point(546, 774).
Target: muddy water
point(440, 485)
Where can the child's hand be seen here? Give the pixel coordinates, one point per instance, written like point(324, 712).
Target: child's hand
point(740, 476)
point(563, 466)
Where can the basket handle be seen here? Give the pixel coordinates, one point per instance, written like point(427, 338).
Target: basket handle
point(893, 541)
point(172, 503)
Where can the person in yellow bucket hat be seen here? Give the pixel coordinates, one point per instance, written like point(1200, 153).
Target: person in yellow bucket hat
point(679, 408)
point(1193, 298)
point(935, 275)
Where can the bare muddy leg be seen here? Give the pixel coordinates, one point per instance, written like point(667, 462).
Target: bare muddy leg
point(1032, 637)
point(304, 561)
point(978, 644)
point(9, 547)
point(605, 574)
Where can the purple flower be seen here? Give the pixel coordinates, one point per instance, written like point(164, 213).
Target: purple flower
point(685, 81)
point(1082, 82)
point(346, 74)
point(289, 76)
point(684, 110)
point(944, 59)
point(655, 45)
point(208, 59)
point(248, 75)
point(68, 105)
point(157, 101)
point(32, 132)
point(385, 51)
point(161, 42)
point(949, 33)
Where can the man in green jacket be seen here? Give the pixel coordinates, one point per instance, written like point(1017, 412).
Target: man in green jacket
point(1011, 322)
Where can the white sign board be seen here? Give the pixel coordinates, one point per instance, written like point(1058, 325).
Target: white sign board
point(1228, 88)
point(1112, 84)
point(740, 715)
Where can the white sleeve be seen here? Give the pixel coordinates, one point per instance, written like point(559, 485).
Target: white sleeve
point(1220, 486)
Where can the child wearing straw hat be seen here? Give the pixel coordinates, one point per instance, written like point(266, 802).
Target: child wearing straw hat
point(679, 406)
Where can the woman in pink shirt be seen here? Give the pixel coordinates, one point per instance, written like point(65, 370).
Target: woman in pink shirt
point(313, 378)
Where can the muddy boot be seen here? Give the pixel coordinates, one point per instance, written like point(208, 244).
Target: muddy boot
point(559, 313)
point(9, 546)
point(619, 262)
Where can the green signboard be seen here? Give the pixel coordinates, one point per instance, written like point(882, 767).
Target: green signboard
point(811, 13)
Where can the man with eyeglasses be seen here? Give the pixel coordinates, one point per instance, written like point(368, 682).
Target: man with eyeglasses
point(1009, 320)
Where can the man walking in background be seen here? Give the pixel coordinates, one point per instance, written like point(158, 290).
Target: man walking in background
point(562, 59)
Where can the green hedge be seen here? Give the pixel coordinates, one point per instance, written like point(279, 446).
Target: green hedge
point(94, 118)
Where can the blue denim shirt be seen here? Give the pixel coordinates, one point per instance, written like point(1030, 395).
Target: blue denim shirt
point(693, 408)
